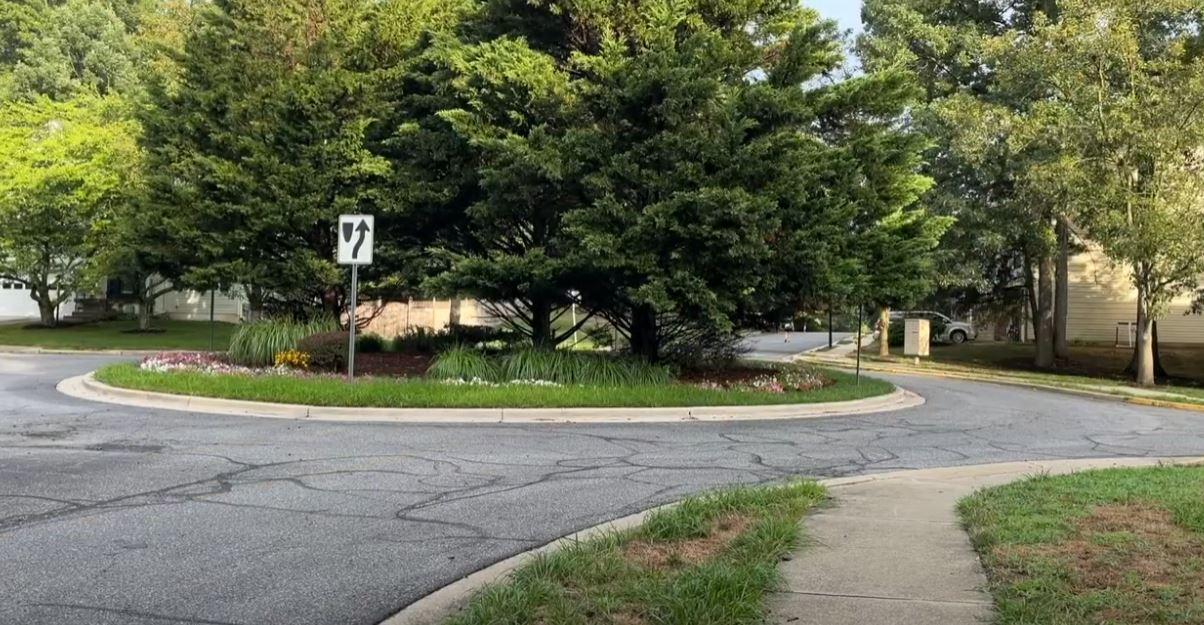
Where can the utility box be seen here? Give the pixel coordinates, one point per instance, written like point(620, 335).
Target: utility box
point(917, 337)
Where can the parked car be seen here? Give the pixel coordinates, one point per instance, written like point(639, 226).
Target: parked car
point(944, 329)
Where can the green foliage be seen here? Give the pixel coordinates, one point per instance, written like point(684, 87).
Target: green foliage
point(621, 152)
point(369, 344)
point(560, 366)
point(427, 341)
point(278, 105)
point(256, 344)
point(327, 350)
point(580, 368)
point(65, 167)
point(463, 363)
point(81, 47)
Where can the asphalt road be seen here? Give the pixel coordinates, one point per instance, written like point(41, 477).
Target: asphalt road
point(115, 515)
point(784, 345)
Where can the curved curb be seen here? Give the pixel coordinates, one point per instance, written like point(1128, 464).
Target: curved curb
point(88, 388)
point(437, 607)
point(66, 351)
point(1037, 386)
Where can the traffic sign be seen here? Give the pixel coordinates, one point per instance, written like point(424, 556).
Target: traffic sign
point(356, 234)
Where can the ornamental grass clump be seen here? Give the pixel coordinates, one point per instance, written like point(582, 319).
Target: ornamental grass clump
point(463, 363)
point(256, 344)
point(561, 367)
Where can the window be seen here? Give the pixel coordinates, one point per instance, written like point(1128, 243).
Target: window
point(6, 285)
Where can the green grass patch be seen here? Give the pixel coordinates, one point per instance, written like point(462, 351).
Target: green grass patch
point(710, 561)
point(175, 335)
point(419, 393)
point(1120, 546)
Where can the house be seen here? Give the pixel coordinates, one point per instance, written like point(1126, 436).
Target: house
point(1103, 306)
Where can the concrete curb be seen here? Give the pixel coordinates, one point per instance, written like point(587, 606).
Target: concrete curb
point(952, 375)
point(22, 349)
point(88, 388)
point(438, 606)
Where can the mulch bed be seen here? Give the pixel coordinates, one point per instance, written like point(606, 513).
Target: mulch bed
point(735, 376)
point(392, 364)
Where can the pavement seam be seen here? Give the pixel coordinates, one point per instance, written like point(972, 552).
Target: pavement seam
point(842, 595)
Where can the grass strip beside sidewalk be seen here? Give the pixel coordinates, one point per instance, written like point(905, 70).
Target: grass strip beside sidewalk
point(120, 335)
point(1118, 546)
point(422, 393)
point(711, 560)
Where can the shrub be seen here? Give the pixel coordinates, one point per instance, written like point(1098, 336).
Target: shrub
point(426, 341)
point(370, 344)
point(559, 366)
point(256, 344)
point(327, 350)
point(293, 359)
point(580, 368)
point(463, 363)
point(421, 341)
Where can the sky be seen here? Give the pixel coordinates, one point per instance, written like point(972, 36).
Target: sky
point(847, 12)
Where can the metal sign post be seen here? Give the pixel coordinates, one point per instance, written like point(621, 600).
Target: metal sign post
point(860, 308)
point(356, 233)
point(352, 304)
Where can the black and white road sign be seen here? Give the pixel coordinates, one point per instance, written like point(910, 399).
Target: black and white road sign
point(355, 239)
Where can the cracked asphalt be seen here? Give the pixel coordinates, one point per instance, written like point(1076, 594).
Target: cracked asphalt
point(116, 515)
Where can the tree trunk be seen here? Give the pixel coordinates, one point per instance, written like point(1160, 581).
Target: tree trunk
point(1030, 291)
point(1044, 318)
point(255, 302)
point(1144, 355)
point(453, 316)
point(1062, 296)
point(146, 311)
point(45, 307)
point(541, 325)
point(884, 332)
point(644, 340)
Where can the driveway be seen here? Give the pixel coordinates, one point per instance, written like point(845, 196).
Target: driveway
point(784, 345)
point(117, 515)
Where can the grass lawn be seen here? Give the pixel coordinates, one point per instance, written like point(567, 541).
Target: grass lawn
point(1120, 546)
point(176, 335)
point(710, 561)
point(418, 393)
point(1090, 367)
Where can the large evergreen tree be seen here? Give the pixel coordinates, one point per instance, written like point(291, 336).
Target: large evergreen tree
point(681, 167)
point(259, 146)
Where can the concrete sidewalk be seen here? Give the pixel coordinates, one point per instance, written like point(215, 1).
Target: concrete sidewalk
point(891, 550)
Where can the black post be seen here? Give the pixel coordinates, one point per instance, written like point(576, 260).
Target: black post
point(212, 301)
point(859, 312)
point(829, 324)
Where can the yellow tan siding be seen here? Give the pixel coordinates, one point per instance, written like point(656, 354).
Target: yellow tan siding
point(1101, 296)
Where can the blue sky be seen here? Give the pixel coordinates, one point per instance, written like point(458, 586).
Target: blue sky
point(847, 12)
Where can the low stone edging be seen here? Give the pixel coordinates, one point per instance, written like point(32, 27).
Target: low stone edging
point(89, 388)
point(437, 607)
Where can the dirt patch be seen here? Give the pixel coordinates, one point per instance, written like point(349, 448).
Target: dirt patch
point(691, 552)
point(736, 376)
point(392, 364)
point(1131, 550)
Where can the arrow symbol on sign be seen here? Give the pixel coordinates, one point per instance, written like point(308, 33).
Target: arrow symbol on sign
point(363, 230)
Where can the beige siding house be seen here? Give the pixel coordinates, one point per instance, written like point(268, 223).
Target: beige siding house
point(1103, 305)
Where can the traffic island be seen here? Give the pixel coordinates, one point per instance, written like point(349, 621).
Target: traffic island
point(397, 400)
